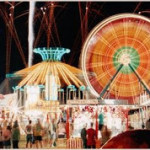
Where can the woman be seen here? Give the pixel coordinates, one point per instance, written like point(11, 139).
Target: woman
point(53, 133)
point(106, 133)
point(37, 132)
point(1, 138)
point(6, 134)
point(46, 134)
point(83, 136)
point(61, 131)
point(15, 134)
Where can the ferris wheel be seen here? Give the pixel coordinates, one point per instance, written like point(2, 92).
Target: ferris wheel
point(117, 51)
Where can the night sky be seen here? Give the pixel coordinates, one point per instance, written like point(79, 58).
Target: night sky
point(67, 23)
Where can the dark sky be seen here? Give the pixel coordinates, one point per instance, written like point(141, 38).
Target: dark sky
point(67, 19)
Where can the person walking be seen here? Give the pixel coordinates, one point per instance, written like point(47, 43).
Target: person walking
point(29, 134)
point(15, 135)
point(83, 136)
point(106, 133)
point(101, 120)
point(91, 137)
point(53, 133)
point(37, 131)
point(61, 130)
point(148, 124)
point(1, 138)
point(46, 133)
point(6, 135)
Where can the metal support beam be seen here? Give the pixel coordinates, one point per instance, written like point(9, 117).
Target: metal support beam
point(140, 79)
point(108, 85)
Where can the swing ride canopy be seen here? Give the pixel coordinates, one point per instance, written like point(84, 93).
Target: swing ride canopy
point(64, 73)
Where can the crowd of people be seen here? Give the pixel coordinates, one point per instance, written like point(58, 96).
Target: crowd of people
point(37, 135)
point(89, 136)
point(9, 135)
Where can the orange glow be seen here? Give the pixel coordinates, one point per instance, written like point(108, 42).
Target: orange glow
point(35, 75)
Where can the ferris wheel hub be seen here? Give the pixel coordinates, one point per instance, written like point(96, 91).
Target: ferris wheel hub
point(125, 59)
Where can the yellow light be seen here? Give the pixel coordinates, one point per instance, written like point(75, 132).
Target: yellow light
point(36, 74)
point(51, 91)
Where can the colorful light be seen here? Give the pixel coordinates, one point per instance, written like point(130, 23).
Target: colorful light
point(51, 54)
point(33, 94)
point(51, 91)
point(120, 39)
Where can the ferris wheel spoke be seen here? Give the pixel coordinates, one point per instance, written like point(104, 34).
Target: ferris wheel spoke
point(143, 61)
point(102, 75)
point(98, 64)
point(135, 58)
point(142, 68)
point(143, 72)
point(104, 41)
point(145, 41)
point(137, 32)
point(138, 29)
point(144, 53)
point(115, 34)
point(125, 31)
point(100, 54)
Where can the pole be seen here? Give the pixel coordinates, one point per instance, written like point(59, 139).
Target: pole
point(67, 124)
point(96, 117)
point(127, 117)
